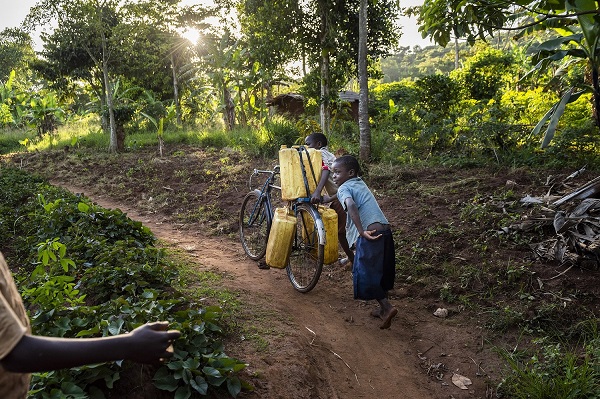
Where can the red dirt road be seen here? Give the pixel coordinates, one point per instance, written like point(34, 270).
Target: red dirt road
point(324, 344)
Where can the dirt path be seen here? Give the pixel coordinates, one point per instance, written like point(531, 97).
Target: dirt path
point(324, 344)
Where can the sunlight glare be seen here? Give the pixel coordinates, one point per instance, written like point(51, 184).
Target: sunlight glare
point(191, 34)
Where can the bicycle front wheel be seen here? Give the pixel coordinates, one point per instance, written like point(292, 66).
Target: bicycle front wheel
point(254, 225)
point(308, 247)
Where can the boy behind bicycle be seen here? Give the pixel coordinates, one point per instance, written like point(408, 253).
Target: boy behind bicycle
point(318, 141)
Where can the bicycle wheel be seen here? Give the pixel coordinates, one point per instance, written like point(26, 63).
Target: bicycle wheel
point(254, 225)
point(308, 247)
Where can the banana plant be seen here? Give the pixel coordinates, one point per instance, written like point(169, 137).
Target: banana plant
point(14, 104)
point(220, 57)
point(6, 88)
point(578, 42)
point(44, 113)
point(168, 114)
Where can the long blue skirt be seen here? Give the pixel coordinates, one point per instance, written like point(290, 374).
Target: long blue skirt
point(374, 268)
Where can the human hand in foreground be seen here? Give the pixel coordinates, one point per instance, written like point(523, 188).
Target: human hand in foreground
point(152, 343)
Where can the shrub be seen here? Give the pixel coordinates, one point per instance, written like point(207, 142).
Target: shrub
point(86, 271)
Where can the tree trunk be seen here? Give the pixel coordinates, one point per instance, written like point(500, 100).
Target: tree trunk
point(456, 54)
point(325, 93)
point(176, 91)
point(270, 110)
point(325, 82)
point(596, 96)
point(120, 136)
point(229, 108)
point(245, 104)
point(114, 145)
point(363, 80)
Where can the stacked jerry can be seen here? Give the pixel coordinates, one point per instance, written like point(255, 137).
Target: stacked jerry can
point(293, 186)
point(292, 179)
point(279, 244)
point(329, 218)
point(330, 221)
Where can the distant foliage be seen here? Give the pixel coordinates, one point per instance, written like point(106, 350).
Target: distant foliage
point(486, 73)
point(482, 111)
point(416, 62)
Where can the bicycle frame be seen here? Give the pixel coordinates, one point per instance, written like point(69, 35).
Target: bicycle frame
point(256, 218)
point(318, 221)
point(265, 193)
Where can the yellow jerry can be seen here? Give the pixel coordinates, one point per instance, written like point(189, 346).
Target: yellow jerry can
point(309, 235)
point(330, 222)
point(292, 180)
point(279, 244)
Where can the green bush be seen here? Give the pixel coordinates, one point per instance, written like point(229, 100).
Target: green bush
point(85, 271)
point(486, 73)
point(275, 133)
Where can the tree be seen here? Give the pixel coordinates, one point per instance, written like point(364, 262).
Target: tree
point(363, 78)
point(221, 56)
point(575, 22)
point(102, 41)
point(159, 58)
point(485, 73)
point(16, 52)
point(81, 45)
point(324, 35)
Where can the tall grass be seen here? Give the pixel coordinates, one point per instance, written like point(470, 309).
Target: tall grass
point(12, 140)
point(388, 143)
point(86, 133)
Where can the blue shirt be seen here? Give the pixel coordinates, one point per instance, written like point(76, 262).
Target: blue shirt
point(368, 208)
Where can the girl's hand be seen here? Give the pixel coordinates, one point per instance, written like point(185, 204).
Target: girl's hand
point(326, 198)
point(370, 235)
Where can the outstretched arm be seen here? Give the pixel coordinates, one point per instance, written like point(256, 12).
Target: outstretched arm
point(316, 196)
point(146, 344)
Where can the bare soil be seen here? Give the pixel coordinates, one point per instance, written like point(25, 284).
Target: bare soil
point(322, 344)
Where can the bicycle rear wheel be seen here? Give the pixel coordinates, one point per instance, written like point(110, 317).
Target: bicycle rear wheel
point(306, 260)
point(254, 225)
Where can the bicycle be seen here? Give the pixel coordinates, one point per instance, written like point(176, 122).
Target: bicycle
point(308, 245)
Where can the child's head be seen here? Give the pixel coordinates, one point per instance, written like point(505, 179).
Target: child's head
point(344, 168)
point(316, 140)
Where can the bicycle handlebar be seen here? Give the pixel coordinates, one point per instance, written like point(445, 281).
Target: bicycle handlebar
point(274, 171)
point(256, 172)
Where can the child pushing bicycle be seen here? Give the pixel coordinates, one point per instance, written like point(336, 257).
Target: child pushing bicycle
point(374, 267)
point(318, 141)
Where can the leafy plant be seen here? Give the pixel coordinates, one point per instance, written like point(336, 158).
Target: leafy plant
point(553, 372)
point(112, 281)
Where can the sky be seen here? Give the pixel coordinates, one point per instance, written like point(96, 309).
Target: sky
point(16, 10)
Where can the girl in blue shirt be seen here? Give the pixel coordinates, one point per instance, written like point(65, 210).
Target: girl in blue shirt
point(374, 267)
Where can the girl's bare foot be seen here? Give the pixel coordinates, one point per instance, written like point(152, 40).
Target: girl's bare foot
point(263, 265)
point(387, 318)
point(345, 263)
point(377, 313)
